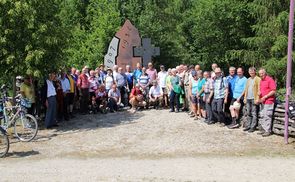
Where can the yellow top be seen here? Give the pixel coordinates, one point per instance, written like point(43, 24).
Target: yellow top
point(28, 91)
point(72, 84)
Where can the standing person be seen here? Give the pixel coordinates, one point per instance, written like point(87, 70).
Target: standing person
point(93, 86)
point(152, 72)
point(129, 76)
point(49, 99)
point(201, 103)
point(231, 79)
point(102, 72)
point(115, 71)
point(121, 82)
point(213, 66)
point(28, 92)
point(238, 91)
point(66, 87)
point(185, 99)
point(186, 83)
point(114, 98)
point(267, 99)
point(83, 85)
point(251, 99)
point(75, 74)
point(197, 68)
point(162, 75)
point(109, 80)
point(193, 92)
point(144, 82)
point(220, 96)
point(71, 93)
point(156, 95)
point(207, 98)
point(175, 91)
point(137, 73)
point(168, 82)
point(59, 98)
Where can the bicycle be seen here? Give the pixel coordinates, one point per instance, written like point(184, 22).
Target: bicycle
point(25, 125)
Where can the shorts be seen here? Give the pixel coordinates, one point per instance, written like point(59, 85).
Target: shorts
point(165, 91)
point(194, 99)
point(71, 98)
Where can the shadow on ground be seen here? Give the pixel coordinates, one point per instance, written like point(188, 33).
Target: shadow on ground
point(82, 123)
point(22, 154)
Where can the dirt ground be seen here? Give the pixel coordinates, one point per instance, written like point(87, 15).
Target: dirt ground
point(150, 145)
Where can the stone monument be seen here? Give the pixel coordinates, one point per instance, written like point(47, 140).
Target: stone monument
point(126, 49)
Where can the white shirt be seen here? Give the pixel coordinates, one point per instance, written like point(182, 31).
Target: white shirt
point(109, 82)
point(162, 78)
point(50, 89)
point(93, 84)
point(156, 91)
point(65, 84)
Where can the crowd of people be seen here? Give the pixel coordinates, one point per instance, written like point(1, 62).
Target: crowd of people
point(208, 96)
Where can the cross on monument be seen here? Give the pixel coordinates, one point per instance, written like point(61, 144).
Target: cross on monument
point(146, 51)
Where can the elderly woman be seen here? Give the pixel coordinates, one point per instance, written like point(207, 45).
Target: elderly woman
point(175, 91)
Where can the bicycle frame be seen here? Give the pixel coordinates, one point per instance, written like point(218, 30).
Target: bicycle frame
point(8, 122)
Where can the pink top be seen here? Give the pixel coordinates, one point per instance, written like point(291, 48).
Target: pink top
point(267, 85)
point(83, 81)
point(152, 74)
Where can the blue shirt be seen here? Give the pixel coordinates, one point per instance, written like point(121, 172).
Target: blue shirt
point(231, 84)
point(240, 85)
point(136, 74)
point(194, 87)
point(129, 78)
point(219, 85)
point(200, 85)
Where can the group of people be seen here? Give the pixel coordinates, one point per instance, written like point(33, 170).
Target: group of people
point(214, 97)
point(209, 96)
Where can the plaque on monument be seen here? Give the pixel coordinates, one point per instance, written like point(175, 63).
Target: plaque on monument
point(120, 50)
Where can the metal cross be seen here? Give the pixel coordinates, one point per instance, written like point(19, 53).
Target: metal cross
point(146, 51)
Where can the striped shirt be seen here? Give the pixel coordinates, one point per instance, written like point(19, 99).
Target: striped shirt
point(208, 85)
point(144, 80)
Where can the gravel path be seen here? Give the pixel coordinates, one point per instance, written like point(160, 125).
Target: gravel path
point(148, 146)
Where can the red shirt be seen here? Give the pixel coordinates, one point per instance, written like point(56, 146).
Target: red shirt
point(83, 81)
point(136, 91)
point(267, 85)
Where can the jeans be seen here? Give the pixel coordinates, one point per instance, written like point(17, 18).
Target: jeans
point(172, 99)
point(50, 118)
point(112, 104)
point(252, 113)
point(217, 108)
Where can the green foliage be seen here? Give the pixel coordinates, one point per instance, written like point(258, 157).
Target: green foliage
point(36, 35)
point(32, 38)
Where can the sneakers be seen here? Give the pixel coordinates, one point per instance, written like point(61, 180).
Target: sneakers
point(233, 126)
point(246, 129)
point(251, 130)
point(261, 133)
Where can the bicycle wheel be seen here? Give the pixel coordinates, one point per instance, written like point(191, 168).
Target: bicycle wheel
point(26, 128)
point(4, 143)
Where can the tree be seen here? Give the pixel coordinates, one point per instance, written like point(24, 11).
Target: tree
point(32, 38)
